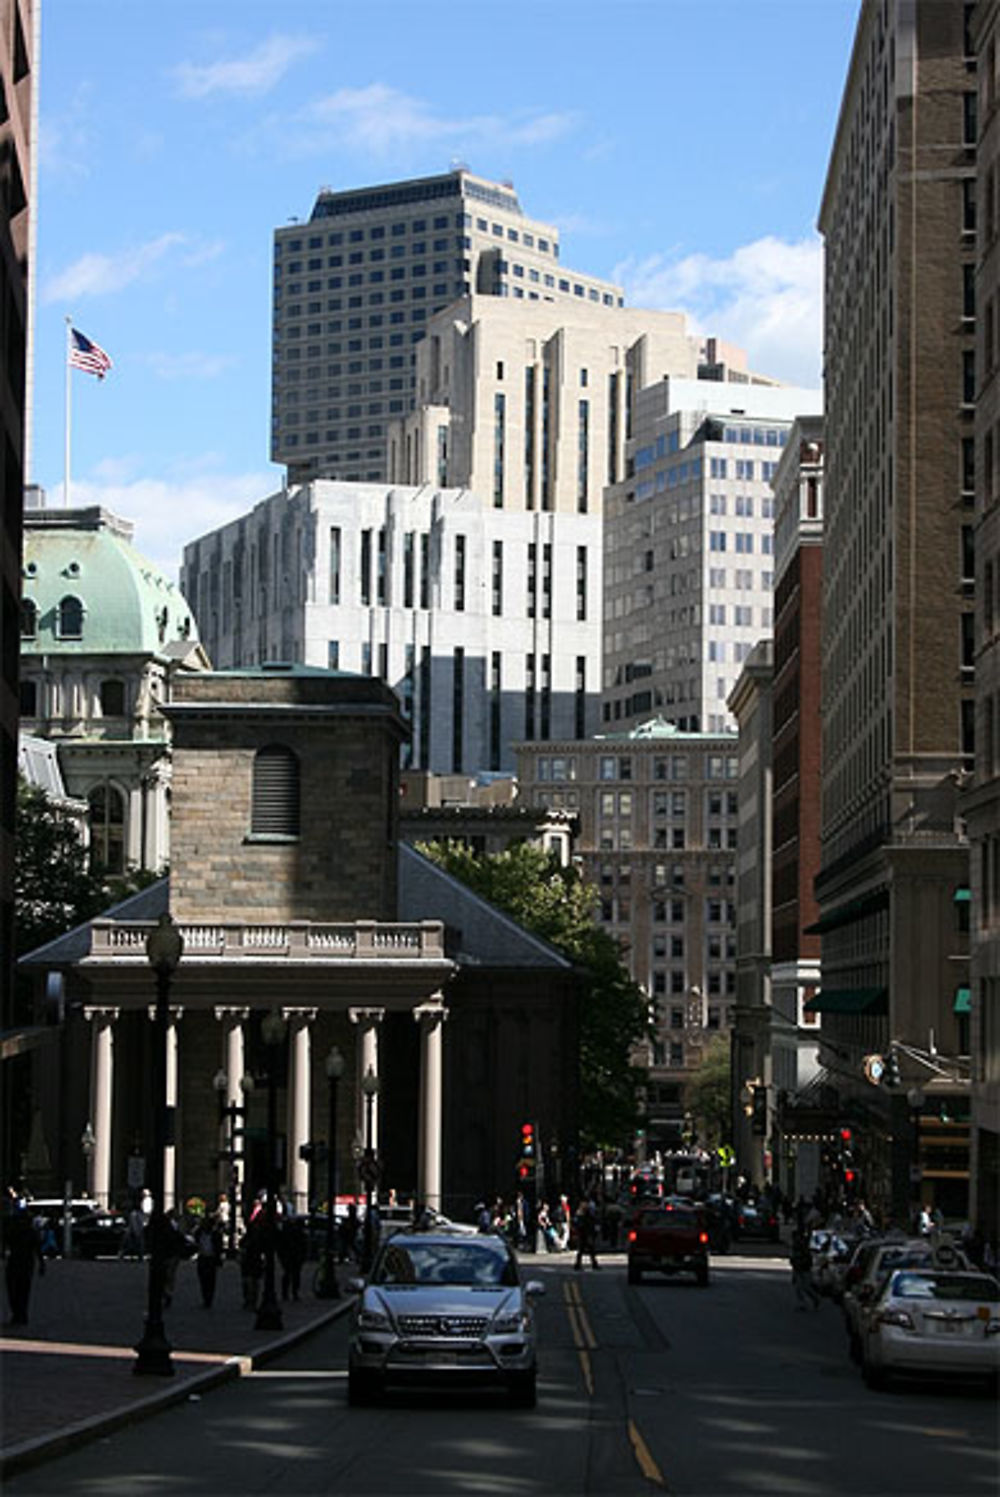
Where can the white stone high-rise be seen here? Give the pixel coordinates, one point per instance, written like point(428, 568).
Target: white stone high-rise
point(486, 623)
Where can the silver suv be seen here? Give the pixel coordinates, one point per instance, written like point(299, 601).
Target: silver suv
point(441, 1309)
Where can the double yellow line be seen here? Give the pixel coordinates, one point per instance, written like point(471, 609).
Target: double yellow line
point(583, 1337)
point(586, 1342)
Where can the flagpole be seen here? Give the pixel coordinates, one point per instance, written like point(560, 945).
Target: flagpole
point(69, 321)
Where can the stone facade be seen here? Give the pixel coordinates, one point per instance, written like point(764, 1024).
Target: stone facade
point(338, 867)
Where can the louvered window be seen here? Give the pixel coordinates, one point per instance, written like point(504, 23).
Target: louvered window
point(275, 809)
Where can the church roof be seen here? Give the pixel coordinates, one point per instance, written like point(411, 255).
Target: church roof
point(129, 605)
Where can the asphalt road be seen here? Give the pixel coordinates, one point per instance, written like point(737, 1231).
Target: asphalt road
point(661, 1387)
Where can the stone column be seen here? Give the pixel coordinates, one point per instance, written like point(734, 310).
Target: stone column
point(368, 1021)
point(234, 1065)
point(170, 1152)
point(299, 1103)
point(430, 1017)
point(101, 1098)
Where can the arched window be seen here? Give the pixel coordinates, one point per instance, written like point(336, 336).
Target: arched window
point(112, 698)
point(29, 618)
point(107, 829)
point(70, 618)
point(275, 799)
point(29, 697)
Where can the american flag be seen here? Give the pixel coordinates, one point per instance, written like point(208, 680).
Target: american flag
point(83, 354)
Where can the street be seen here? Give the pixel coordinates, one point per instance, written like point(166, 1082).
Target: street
point(664, 1386)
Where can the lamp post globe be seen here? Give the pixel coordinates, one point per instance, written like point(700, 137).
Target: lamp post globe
point(164, 949)
point(272, 1031)
point(327, 1286)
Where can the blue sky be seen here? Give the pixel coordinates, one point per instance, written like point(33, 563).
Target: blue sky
point(680, 146)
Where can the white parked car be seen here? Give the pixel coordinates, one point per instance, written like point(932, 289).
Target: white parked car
point(933, 1322)
point(873, 1264)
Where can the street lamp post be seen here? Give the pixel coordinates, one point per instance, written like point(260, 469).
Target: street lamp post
point(269, 1314)
point(915, 1102)
point(164, 948)
point(88, 1143)
point(328, 1287)
point(369, 1172)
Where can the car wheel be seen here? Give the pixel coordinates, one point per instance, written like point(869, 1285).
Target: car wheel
point(875, 1378)
point(634, 1274)
point(362, 1387)
point(522, 1389)
point(701, 1277)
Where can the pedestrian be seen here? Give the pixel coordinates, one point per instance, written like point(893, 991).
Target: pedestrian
point(349, 1233)
point(252, 1257)
point(545, 1227)
point(23, 1247)
point(133, 1243)
point(586, 1221)
point(483, 1219)
point(292, 1247)
point(208, 1257)
point(177, 1245)
point(561, 1221)
point(800, 1258)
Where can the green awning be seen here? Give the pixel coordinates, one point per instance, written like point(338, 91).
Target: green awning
point(845, 914)
point(963, 1001)
point(962, 895)
point(849, 1001)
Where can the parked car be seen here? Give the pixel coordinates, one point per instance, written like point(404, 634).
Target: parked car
point(873, 1264)
point(668, 1239)
point(757, 1222)
point(933, 1322)
point(829, 1262)
point(50, 1211)
point(444, 1309)
point(99, 1234)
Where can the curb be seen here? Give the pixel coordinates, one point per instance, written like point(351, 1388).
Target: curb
point(45, 1447)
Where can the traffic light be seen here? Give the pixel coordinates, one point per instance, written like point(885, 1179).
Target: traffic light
point(758, 1114)
point(846, 1138)
point(892, 1075)
point(528, 1141)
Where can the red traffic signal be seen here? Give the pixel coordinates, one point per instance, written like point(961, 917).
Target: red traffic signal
point(523, 1170)
point(527, 1140)
point(846, 1136)
point(849, 1177)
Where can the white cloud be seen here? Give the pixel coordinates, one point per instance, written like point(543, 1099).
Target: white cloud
point(95, 274)
point(255, 73)
point(766, 296)
point(169, 512)
point(379, 120)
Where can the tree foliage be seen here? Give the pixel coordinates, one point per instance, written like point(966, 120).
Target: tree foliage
point(553, 902)
point(707, 1095)
point(54, 887)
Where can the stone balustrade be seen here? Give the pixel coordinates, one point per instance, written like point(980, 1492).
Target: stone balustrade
point(296, 940)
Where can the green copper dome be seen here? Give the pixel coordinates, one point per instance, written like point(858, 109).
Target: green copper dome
point(86, 590)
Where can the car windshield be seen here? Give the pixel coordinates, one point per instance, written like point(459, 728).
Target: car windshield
point(945, 1286)
point(478, 1264)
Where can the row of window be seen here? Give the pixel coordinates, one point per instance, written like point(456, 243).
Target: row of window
point(111, 696)
point(620, 767)
point(69, 616)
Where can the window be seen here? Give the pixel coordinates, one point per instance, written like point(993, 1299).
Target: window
point(106, 819)
point(112, 698)
point(28, 698)
point(274, 809)
point(29, 618)
point(70, 618)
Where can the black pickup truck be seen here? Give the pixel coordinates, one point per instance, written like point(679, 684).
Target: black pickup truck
point(668, 1239)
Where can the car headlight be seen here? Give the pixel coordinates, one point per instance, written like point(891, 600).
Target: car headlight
point(510, 1323)
point(373, 1320)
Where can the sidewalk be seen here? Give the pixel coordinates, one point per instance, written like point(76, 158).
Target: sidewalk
point(68, 1374)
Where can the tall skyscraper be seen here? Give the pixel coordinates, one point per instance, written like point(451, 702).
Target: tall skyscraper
point(688, 543)
point(355, 287)
point(898, 219)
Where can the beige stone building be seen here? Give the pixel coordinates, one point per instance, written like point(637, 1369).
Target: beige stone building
point(897, 218)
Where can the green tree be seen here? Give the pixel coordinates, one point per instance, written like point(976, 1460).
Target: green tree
point(707, 1095)
point(553, 902)
point(54, 887)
